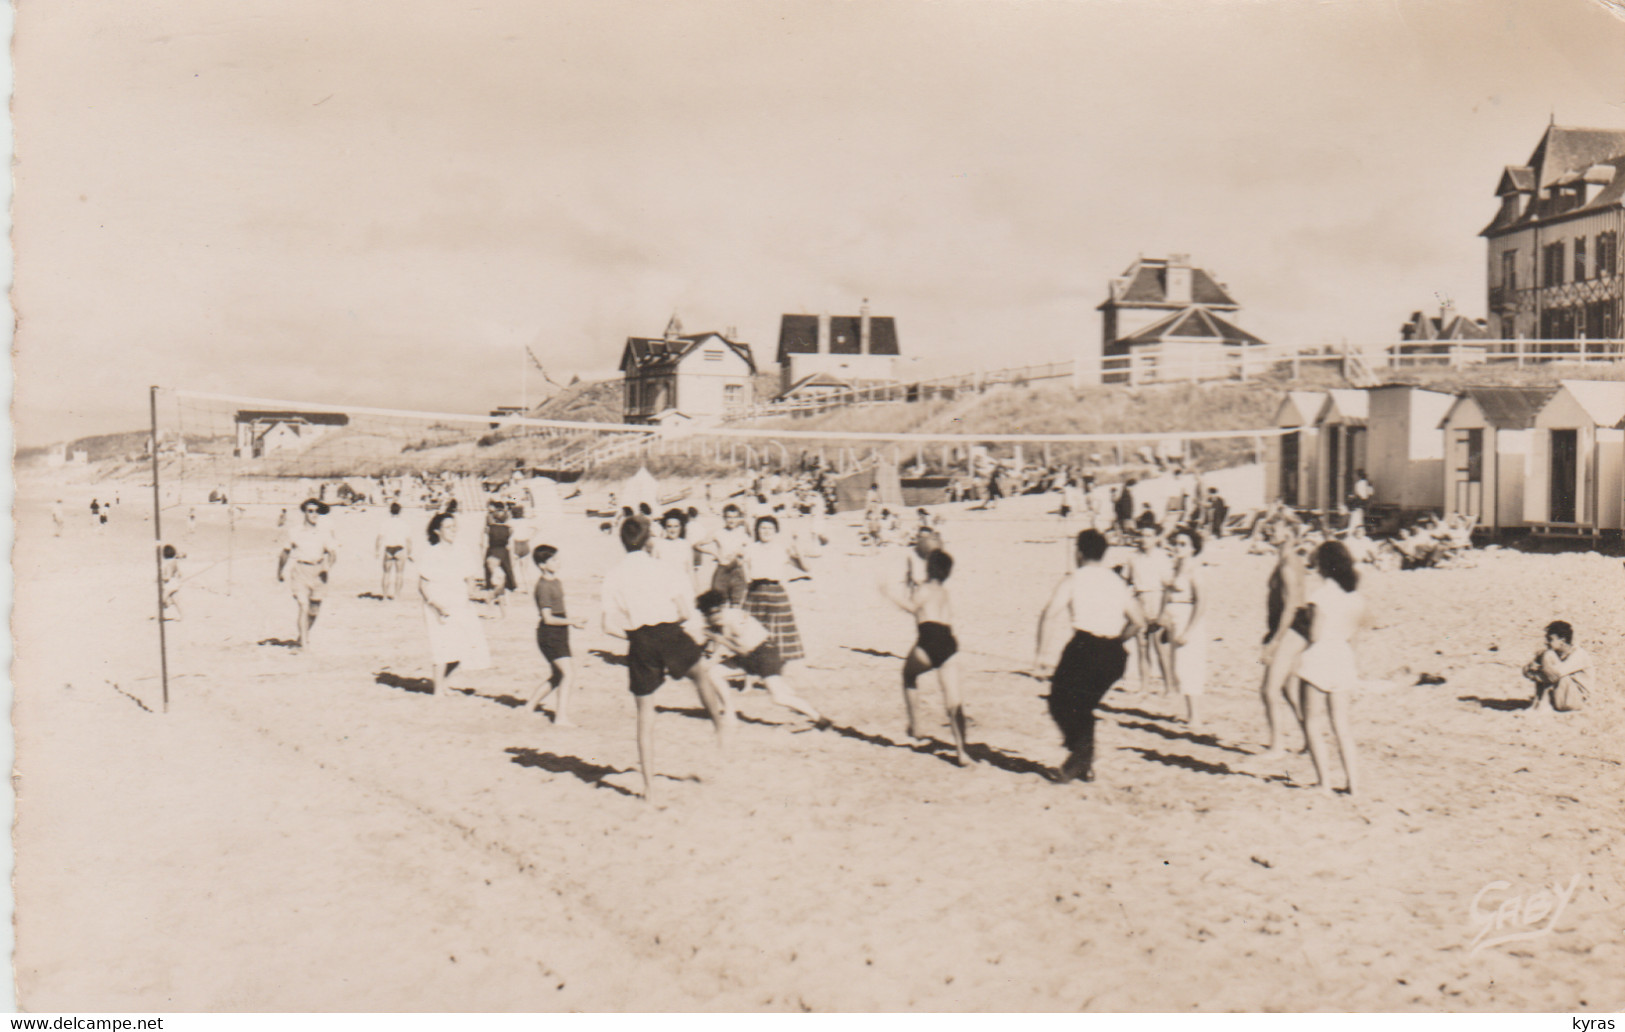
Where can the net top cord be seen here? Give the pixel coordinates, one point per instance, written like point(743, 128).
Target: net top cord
point(744, 433)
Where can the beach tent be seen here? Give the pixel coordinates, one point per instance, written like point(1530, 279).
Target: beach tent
point(1577, 458)
point(639, 488)
point(852, 490)
point(542, 498)
point(1291, 460)
point(1488, 434)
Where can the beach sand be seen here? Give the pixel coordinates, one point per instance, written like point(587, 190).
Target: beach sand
point(313, 832)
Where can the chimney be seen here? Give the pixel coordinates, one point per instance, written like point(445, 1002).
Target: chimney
point(731, 333)
point(863, 327)
point(1447, 311)
point(823, 334)
point(1179, 279)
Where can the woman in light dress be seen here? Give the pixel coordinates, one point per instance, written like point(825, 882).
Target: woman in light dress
point(1184, 601)
point(445, 576)
point(1327, 667)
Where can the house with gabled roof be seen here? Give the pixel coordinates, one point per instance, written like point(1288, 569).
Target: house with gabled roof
point(266, 432)
point(1577, 459)
point(701, 376)
point(859, 349)
point(1488, 437)
point(1554, 246)
point(1291, 463)
point(1174, 321)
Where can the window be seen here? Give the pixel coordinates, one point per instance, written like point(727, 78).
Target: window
point(733, 395)
point(1509, 270)
point(1579, 259)
point(1607, 254)
point(1552, 260)
point(1473, 441)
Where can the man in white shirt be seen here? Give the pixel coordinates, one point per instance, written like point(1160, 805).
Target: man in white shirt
point(647, 601)
point(1103, 613)
point(308, 553)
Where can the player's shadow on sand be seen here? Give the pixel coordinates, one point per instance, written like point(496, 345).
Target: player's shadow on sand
point(1174, 734)
point(698, 713)
point(882, 653)
point(588, 773)
point(420, 685)
point(610, 658)
point(1130, 711)
point(372, 596)
point(928, 747)
point(981, 752)
point(281, 643)
point(1201, 766)
point(1504, 705)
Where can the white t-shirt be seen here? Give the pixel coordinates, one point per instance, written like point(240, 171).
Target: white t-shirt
point(306, 544)
point(1099, 598)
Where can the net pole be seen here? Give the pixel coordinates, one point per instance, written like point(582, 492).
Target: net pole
point(158, 548)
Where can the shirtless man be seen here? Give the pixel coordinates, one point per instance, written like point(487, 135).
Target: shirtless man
point(394, 548)
point(934, 649)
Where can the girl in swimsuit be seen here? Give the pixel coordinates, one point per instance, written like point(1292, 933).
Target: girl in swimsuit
point(1183, 605)
point(1327, 667)
point(1288, 634)
point(935, 648)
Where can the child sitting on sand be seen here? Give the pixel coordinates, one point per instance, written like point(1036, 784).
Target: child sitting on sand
point(1562, 671)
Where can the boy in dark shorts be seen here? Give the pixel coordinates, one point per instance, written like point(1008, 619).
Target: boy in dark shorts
point(935, 648)
point(553, 636)
point(647, 602)
point(743, 636)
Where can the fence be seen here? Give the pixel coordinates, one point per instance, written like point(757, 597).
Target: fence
point(1457, 353)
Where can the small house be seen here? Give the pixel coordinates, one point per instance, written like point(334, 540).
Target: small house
point(704, 376)
point(1292, 463)
point(1577, 459)
point(1404, 448)
point(1488, 437)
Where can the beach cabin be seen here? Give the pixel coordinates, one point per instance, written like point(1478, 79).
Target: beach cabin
point(1343, 423)
point(1488, 436)
point(1291, 462)
point(1577, 460)
point(1404, 449)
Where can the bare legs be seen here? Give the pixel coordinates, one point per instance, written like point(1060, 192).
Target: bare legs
point(716, 706)
point(918, 663)
point(781, 692)
point(438, 676)
point(1277, 687)
point(1319, 708)
point(559, 680)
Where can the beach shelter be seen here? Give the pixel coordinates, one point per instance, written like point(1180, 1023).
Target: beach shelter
point(1576, 458)
point(852, 490)
point(1343, 423)
point(641, 488)
point(1291, 460)
point(1404, 448)
point(1488, 434)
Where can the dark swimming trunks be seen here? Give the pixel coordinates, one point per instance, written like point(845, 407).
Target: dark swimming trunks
point(937, 642)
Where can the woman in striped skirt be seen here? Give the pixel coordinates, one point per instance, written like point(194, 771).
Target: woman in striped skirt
point(770, 563)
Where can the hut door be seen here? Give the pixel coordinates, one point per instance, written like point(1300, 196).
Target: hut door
point(1565, 474)
point(1469, 499)
point(1289, 469)
point(1334, 466)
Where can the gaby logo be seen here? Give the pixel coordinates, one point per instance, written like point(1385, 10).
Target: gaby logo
point(1518, 917)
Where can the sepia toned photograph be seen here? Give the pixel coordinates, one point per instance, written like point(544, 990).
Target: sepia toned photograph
point(788, 506)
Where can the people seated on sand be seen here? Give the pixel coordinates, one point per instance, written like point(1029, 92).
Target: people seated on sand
point(1361, 548)
point(1562, 671)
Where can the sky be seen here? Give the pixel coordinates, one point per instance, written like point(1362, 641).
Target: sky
point(384, 204)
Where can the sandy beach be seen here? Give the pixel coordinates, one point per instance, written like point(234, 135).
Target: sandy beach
point(313, 832)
